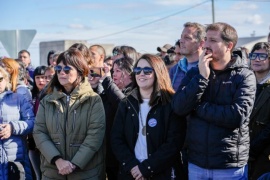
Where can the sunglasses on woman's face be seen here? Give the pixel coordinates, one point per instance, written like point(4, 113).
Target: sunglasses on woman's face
point(115, 53)
point(59, 68)
point(146, 70)
point(261, 56)
point(1, 79)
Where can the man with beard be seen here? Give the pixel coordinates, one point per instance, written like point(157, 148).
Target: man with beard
point(191, 46)
point(217, 97)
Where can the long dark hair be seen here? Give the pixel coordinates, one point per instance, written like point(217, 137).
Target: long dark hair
point(48, 56)
point(74, 58)
point(40, 70)
point(162, 83)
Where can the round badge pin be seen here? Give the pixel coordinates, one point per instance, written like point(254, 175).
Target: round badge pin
point(152, 122)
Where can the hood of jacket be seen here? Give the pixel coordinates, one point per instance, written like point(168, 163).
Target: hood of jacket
point(237, 62)
point(77, 96)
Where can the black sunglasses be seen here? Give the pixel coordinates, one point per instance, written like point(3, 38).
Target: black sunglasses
point(261, 56)
point(59, 68)
point(116, 52)
point(94, 74)
point(146, 70)
point(1, 79)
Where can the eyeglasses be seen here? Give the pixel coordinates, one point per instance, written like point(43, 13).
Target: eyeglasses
point(66, 69)
point(115, 53)
point(94, 74)
point(261, 56)
point(146, 70)
point(1, 79)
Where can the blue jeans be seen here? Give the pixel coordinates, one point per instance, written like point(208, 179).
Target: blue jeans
point(198, 173)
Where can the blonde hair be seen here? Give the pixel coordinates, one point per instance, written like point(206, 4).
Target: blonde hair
point(6, 77)
point(12, 67)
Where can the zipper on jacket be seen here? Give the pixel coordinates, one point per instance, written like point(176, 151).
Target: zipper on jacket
point(207, 153)
point(73, 122)
point(57, 121)
point(65, 125)
point(238, 140)
point(173, 176)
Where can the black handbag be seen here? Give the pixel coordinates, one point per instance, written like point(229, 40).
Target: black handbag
point(15, 171)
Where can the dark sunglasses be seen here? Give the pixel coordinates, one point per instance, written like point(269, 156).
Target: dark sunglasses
point(146, 70)
point(1, 79)
point(115, 53)
point(66, 69)
point(261, 56)
point(94, 74)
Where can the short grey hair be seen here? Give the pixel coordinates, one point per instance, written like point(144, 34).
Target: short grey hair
point(200, 30)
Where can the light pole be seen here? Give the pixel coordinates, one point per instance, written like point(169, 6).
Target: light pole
point(213, 11)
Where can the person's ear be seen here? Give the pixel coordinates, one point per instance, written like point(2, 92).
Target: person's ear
point(230, 46)
point(102, 57)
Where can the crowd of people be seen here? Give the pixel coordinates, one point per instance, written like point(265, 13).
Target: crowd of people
point(195, 110)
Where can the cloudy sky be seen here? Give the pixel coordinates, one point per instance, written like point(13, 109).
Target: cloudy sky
point(143, 24)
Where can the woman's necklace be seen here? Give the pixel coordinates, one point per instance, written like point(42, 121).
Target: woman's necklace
point(143, 126)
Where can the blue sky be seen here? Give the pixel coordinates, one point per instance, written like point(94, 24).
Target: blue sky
point(144, 24)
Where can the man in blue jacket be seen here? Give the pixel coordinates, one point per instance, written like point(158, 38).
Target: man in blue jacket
point(191, 46)
point(217, 97)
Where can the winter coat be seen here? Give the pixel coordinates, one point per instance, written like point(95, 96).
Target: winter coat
point(18, 112)
point(178, 72)
point(24, 90)
point(71, 127)
point(260, 132)
point(164, 140)
point(218, 111)
point(111, 95)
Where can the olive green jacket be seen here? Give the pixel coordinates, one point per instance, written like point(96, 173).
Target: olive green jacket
point(72, 127)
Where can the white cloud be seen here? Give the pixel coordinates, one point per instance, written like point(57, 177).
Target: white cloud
point(78, 26)
point(255, 19)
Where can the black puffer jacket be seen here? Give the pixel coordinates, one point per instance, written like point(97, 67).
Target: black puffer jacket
point(111, 95)
point(260, 133)
point(218, 112)
point(164, 140)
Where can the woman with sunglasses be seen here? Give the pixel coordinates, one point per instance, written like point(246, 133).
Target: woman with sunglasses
point(16, 121)
point(70, 123)
point(146, 135)
point(260, 117)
